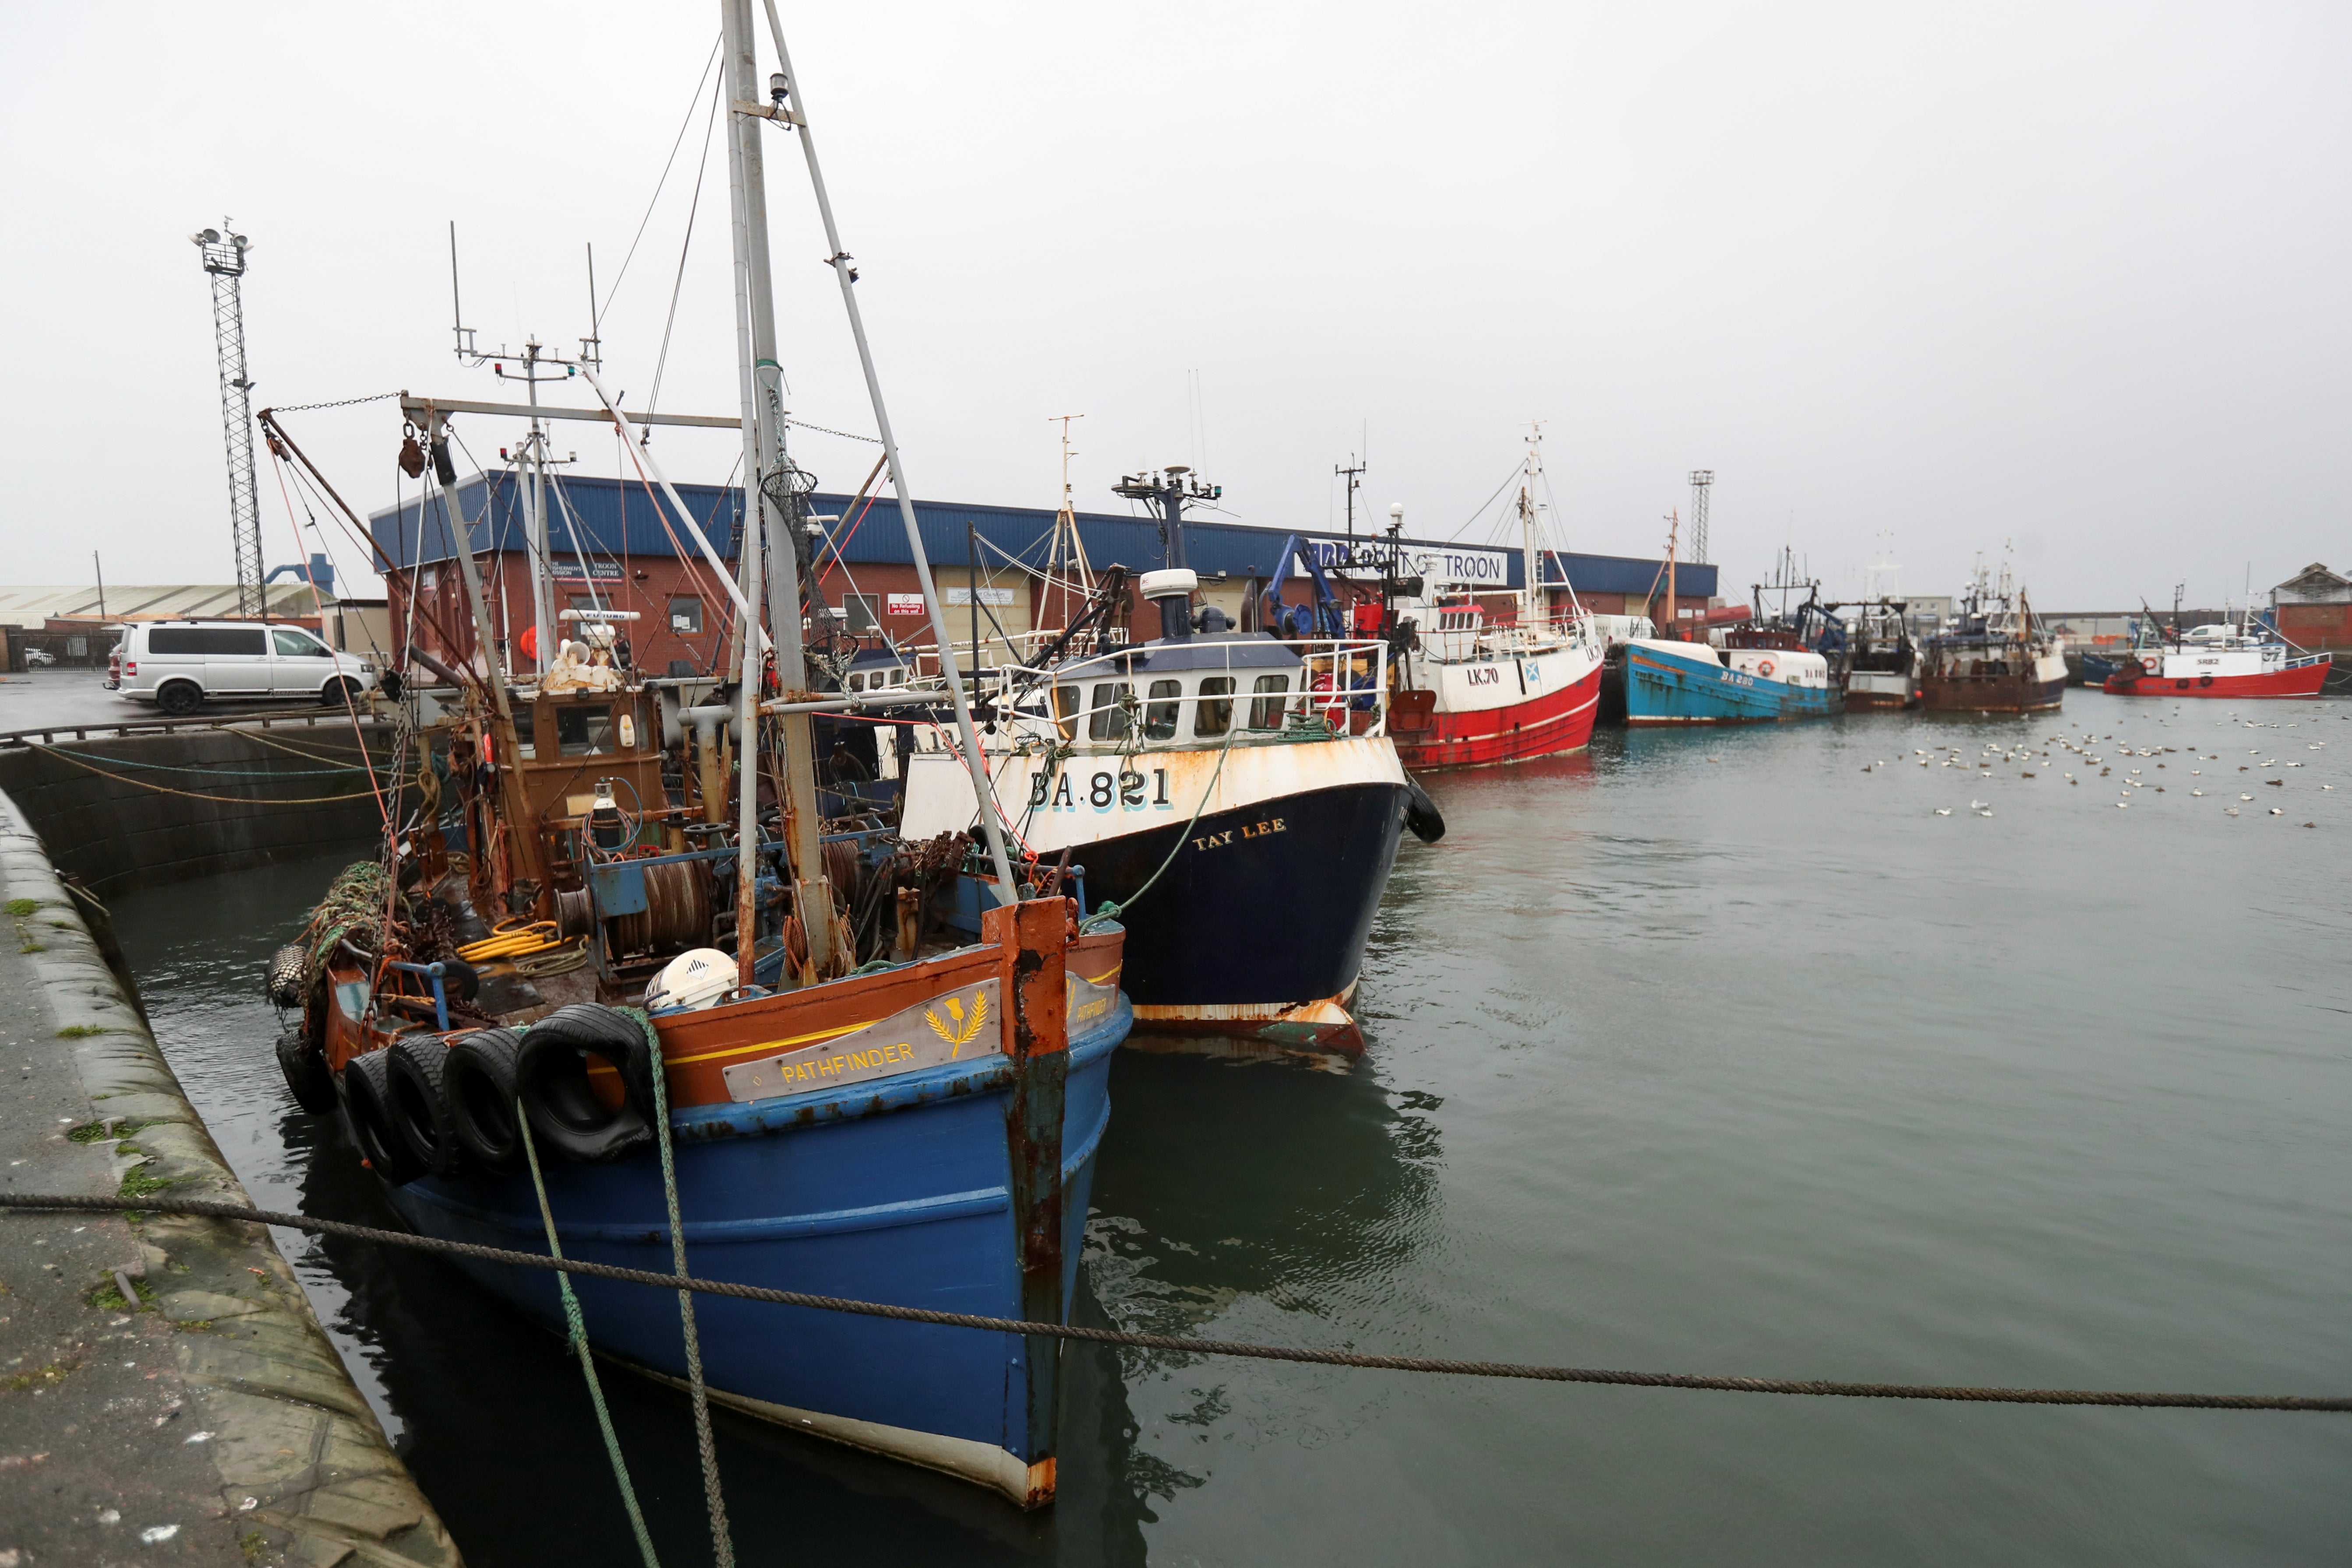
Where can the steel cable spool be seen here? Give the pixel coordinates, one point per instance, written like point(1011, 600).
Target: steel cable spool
point(552, 1080)
point(677, 912)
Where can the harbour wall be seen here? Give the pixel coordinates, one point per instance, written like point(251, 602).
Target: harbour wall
point(141, 809)
point(288, 1442)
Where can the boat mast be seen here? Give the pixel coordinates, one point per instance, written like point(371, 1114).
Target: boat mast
point(1067, 546)
point(1674, 534)
point(1532, 561)
point(791, 110)
point(765, 480)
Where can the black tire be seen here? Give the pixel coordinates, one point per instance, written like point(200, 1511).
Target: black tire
point(460, 980)
point(180, 698)
point(1421, 813)
point(284, 974)
point(420, 1102)
point(367, 1111)
point(552, 1080)
point(336, 693)
point(479, 1082)
point(307, 1078)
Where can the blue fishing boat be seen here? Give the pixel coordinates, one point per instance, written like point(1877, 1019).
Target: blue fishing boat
point(699, 1044)
point(1673, 682)
point(898, 1188)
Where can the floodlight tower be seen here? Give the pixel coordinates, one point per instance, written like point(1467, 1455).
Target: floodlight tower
point(224, 256)
point(1702, 481)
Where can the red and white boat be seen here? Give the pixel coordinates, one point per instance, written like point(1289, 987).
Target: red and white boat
point(1468, 693)
point(2219, 660)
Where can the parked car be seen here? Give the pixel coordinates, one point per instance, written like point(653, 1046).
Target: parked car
point(38, 658)
point(180, 665)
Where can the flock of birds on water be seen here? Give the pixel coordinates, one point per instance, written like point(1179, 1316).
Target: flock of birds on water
point(2096, 752)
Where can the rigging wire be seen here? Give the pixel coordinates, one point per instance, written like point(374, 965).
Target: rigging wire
point(686, 245)
point(692, 102)
point(1483, 505)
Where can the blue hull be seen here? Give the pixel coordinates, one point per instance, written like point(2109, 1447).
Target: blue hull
point(895, 1191)
point(1670, 689)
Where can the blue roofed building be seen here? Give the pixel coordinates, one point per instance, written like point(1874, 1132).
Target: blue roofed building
point(612, 545)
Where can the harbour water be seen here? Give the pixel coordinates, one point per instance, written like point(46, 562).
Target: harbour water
point(1699, 1052)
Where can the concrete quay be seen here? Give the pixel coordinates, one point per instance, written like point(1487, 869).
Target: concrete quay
point(211, 1420)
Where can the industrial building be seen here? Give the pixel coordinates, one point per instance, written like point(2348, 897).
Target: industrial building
point(611, 547)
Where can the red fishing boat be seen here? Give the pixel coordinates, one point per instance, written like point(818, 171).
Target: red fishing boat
point(2219, 660)
point(1468, 694)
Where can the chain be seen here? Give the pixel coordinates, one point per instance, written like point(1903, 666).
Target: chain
point(344, 402)
point(823, 430)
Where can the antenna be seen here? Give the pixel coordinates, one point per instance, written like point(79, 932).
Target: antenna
point(592, 347)
point(1702, 481)
point(224, 258)
point(1353, 472)
point(456, 313)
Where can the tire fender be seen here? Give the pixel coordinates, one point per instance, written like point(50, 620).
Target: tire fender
point(553, 1079)
point(1421, 813)
point(366, 1084)
point(307, 1076)
point(419, 1102)
point(479, 1083)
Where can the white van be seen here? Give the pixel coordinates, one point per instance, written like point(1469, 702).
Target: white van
point(177, 665)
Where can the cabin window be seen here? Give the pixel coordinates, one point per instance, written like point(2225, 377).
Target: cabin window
point(1067, 701)
point(1265, 712)
point(1159, 712)
point(857, 682)
point(861, 613)
point(526, 729)
point(583, 731)
point(1107, 722)
point(1214, 714)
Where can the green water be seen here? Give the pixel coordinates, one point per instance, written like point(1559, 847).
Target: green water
point(1700, 1053)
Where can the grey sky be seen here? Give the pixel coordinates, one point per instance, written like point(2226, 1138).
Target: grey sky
point(2069, 275)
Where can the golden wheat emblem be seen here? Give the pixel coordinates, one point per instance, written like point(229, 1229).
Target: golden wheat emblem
point(961, 1033)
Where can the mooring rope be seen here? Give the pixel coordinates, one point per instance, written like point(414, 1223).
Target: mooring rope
point(209, 1209)
point(722, 1540)
point(577, 1333)
point(64, 755)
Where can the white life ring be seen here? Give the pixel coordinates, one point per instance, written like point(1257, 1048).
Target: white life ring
point(1764, 667)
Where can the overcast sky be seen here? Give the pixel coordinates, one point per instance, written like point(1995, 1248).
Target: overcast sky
point(2069, 276)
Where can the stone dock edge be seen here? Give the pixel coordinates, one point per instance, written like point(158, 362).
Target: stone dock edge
point(292, 1430)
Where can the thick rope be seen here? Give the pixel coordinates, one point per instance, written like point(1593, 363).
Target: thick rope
point(579, 1337)
point(209, 1209)
point(722, 1542)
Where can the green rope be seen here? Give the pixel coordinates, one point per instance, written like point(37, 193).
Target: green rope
point(721, 1541)
point(579, 1336)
